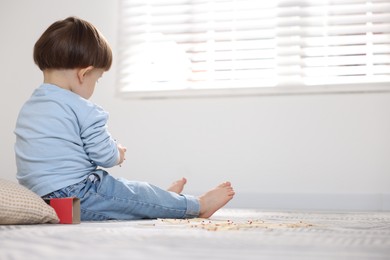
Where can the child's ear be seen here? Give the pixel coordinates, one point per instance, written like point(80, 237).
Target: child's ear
point(82, 72)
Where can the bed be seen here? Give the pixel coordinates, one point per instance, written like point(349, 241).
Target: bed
point(29, 229)
point(229, 234)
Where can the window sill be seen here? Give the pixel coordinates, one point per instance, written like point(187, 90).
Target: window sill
point(261, 91)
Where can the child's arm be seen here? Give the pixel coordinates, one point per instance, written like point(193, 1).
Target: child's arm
point(100, 147)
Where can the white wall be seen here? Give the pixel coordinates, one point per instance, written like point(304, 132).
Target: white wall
point(280, 152)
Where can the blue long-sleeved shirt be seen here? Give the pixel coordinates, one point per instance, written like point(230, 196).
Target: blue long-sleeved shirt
point(60, 139)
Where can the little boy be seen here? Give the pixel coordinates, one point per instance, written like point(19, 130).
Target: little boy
point(62, 137)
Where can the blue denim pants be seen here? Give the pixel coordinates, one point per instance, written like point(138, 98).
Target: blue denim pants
point(103, 197)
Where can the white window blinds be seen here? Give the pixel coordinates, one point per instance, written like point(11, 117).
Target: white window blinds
point(222, 44)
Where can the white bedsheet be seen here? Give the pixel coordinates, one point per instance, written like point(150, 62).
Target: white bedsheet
point(274, 235)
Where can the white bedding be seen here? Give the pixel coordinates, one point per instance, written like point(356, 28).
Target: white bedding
point(229, 234)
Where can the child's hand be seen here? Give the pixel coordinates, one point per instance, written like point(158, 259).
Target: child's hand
point(122, 150)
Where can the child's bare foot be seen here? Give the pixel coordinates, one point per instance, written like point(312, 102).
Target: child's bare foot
point(178, 185)
point(215, 199)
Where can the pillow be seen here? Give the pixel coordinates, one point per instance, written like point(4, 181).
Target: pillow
point(18, 205)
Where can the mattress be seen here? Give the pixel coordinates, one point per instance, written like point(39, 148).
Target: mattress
point(229, 234)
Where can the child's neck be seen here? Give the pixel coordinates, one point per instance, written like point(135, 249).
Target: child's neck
point(63, 78)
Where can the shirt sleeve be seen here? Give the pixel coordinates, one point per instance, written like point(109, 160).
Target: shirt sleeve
point(98, 143)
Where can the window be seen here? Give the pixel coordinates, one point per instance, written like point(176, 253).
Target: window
point(185, 46)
